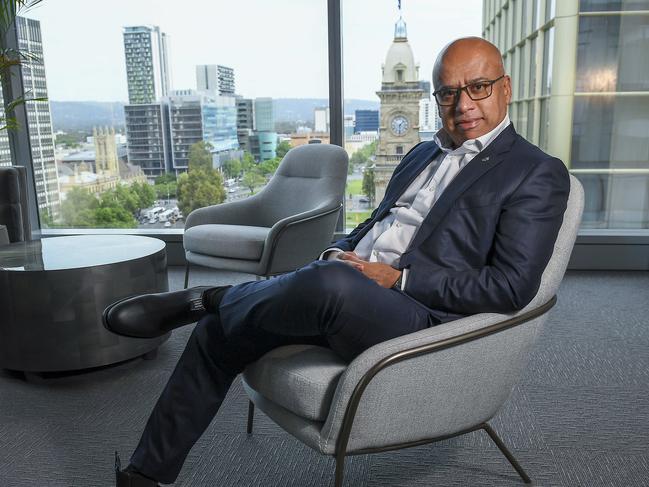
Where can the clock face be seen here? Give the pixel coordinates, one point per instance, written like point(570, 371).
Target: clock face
point(399, 125)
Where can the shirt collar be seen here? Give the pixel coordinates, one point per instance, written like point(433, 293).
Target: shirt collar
point(445, 143)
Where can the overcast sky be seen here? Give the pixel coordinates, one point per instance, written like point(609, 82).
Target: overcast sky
point(277, 48)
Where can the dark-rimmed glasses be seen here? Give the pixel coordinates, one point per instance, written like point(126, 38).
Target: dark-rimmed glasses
point(478, 90)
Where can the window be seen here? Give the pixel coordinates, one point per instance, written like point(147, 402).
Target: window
point(164, 95)
point(390, 110)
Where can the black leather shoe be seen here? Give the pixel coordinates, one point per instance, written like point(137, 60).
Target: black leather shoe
point(153, 315)
point(131, 478)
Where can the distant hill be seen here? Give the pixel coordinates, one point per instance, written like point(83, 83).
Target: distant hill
point(301, 109)
point(84, 115)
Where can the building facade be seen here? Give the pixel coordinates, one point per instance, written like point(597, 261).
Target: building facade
point(366, 121)
point(200, 116)
point(147, 137)
point(39, 120)
point(400, 93)
point(264, 115)
point(215, 78)
point(321, 119)
point(245, 123)
point(147, 64)
point(580, 81)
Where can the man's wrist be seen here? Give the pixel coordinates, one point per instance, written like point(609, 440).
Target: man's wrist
point(397, 284)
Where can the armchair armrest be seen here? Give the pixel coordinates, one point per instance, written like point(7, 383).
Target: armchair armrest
point(298, 239)
point(364, 368)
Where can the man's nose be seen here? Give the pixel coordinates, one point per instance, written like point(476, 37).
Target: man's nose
point(464, 102)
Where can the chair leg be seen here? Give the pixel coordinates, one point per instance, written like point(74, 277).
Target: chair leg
point(499, 443)
point(186, 274)
point(340, 469)
point(251, 416)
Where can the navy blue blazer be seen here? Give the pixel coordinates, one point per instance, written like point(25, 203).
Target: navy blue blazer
point(485, 243)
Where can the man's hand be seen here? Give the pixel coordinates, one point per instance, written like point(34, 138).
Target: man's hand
point(383, 274)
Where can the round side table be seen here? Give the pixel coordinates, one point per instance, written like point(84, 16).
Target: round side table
point(53, 292)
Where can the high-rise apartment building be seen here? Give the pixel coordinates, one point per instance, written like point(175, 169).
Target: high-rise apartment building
point(321, 119)
point(215, 78)
point(39, 119)
point(147, 136)
point(147, 64)
point(580, 81)
point(245, 123)
point(225, 79)
point(429, 119)
point(200, 116)
point(264, 115)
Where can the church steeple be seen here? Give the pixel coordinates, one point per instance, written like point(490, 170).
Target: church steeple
point(400, 33)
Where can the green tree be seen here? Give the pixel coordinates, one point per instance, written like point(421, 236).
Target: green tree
point(268, 167)
point(232, 168)
point(77, 209)
point(165, 178)
point(252, 179)
point(247, 162)
point(368, 183)
point(198, 188)
point(200, 155)
point(145, 194)
point(282, 148)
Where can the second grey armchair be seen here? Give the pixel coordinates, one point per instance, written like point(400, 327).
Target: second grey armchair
point(281, 228)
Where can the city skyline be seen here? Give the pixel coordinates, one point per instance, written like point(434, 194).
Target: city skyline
point(254, 55)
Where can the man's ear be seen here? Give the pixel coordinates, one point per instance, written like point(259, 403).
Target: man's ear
point(507, 86)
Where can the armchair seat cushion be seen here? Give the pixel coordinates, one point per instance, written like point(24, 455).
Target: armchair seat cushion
point(300, 378)
point(230, 241)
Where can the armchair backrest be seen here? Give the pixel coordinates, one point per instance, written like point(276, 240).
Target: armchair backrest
point(14, 212)
point(310, 176)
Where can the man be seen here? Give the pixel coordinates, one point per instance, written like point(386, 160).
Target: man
point(467, 225)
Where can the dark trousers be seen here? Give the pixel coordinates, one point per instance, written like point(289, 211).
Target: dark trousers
point(325, 303)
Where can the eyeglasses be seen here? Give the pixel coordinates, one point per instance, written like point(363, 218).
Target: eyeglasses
point(479, 90)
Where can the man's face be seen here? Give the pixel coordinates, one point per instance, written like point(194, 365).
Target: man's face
point(467, 118)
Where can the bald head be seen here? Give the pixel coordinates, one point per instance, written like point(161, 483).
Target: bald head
point(470, 78)
point(464, 48)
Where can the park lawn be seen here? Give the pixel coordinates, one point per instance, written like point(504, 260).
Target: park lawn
point(353, 218)
point(355, 186)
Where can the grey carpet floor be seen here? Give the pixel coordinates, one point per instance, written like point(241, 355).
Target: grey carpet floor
point(580, 416)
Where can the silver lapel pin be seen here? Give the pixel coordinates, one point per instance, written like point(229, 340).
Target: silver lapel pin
point(485, 159)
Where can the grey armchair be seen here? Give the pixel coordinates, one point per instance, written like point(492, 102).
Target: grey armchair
point(281, 228)
point(14, 212)
point(423, 387)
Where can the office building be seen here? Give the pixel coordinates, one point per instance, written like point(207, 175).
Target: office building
point(429, 119)
point(215, 78)
point(580, 85)
point(366, 121)
point(264, 115)
point(39, 118)
point(148, 139)
point(147, 64)
point(348, 125)
point(200, 116)
point(321, 119)
point(225, 80)
point(245, 122)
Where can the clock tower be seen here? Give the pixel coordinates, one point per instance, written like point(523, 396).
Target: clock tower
point(400, 93)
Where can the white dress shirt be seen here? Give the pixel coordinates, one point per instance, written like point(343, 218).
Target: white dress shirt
point(391, 236)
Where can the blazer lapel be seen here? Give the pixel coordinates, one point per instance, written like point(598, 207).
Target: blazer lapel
point(401, 185)
point(478, 167)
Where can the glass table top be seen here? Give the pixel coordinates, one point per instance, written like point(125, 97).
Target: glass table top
point(74, 252)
